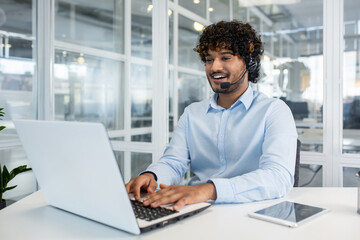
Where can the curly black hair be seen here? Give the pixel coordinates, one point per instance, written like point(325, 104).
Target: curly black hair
point(235, 36)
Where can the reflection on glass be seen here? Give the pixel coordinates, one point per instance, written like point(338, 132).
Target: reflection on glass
point(141, 29)
point(189, 32)
point(17, 47)
point(191, 88)
point(255, 21)
point(239, 11)
point(266, 36)
point(17, 71)
point(292, 66)
point(17, 66)
point(219, 10)
point(284, 210)
point(290, 211)
point(88, 89)
point(141, 138)
point(310, 175)
point(196, 6)
point(117, 138)
point(171, 38)
point(139, 162)
point(171, 101)
point(97, 24)
point(349, 177)
point(120, 156)
point(351, 78)
point(141, 96)
point(16, 84)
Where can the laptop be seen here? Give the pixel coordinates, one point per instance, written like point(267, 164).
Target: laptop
point(77, 171)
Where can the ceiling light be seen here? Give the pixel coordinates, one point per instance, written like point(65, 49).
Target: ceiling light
point(198, 26)
point(303, 36)
point(169, 12)
point(80, 60)
point(211, 9)
point(149, 8)
point(196, 1)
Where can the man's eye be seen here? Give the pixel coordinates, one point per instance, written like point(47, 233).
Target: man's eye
point(208, 60)
point(226, 58)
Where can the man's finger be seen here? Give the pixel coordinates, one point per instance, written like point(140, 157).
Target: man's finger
point(165, 198)
point(179, 204)
point(152, 187)
point(163, 186)
point(127, 186)
point(137, 189)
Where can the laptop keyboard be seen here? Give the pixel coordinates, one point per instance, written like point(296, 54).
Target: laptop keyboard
point(148, 213)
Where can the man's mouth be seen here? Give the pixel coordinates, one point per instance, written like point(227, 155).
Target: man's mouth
point(219, 77)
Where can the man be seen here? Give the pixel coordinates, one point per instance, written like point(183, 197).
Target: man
point(240, 144)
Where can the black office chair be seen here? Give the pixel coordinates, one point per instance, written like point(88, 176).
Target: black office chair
point(297, 164)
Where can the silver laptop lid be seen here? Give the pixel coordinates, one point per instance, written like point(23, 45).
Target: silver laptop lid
point(77, 171)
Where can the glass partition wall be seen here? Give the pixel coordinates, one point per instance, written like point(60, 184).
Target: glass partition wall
point(351, 93)
point(100, 64)
point(18, 85)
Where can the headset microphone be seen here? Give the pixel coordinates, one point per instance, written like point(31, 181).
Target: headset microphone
point(226, 85)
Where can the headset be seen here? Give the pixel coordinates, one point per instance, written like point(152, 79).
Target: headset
point(250, 67)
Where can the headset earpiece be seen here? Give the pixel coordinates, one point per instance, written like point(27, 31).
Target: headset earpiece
point(252, 65)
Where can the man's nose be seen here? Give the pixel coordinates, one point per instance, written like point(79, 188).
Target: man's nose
point(217, 65)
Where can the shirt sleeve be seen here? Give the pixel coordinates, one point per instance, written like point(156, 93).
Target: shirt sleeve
point(275, 176)
point(174, 163)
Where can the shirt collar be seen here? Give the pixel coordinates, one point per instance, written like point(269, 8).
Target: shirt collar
point(246, 99)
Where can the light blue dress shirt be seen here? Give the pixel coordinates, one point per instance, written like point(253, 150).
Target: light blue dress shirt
point(248, 151)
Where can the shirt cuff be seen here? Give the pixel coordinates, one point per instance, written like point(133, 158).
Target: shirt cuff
point(151, 173)
point(224, 191)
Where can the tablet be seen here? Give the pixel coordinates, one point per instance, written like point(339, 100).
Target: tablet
point(288, 213)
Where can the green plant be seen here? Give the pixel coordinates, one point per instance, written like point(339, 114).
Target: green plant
point(1, 128)
point(5, 175)
point(1, 115)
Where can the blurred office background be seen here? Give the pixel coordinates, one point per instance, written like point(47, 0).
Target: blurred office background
point(89, 60)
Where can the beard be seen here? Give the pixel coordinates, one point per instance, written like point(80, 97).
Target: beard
point(231, 89)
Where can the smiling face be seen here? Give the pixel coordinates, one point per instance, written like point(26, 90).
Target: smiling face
point(224, 66)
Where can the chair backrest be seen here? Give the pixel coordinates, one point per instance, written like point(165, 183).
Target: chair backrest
point(297, 164)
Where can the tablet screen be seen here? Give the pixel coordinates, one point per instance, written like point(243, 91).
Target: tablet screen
point(290, 211)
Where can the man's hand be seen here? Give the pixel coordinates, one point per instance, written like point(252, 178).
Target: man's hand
point(144, 182)
point(181, 195)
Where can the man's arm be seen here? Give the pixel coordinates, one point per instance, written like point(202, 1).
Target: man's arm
point(172, 166)
point(169, 169)
point(274, 178)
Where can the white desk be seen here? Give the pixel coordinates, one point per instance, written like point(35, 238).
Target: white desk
point(32, 218)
